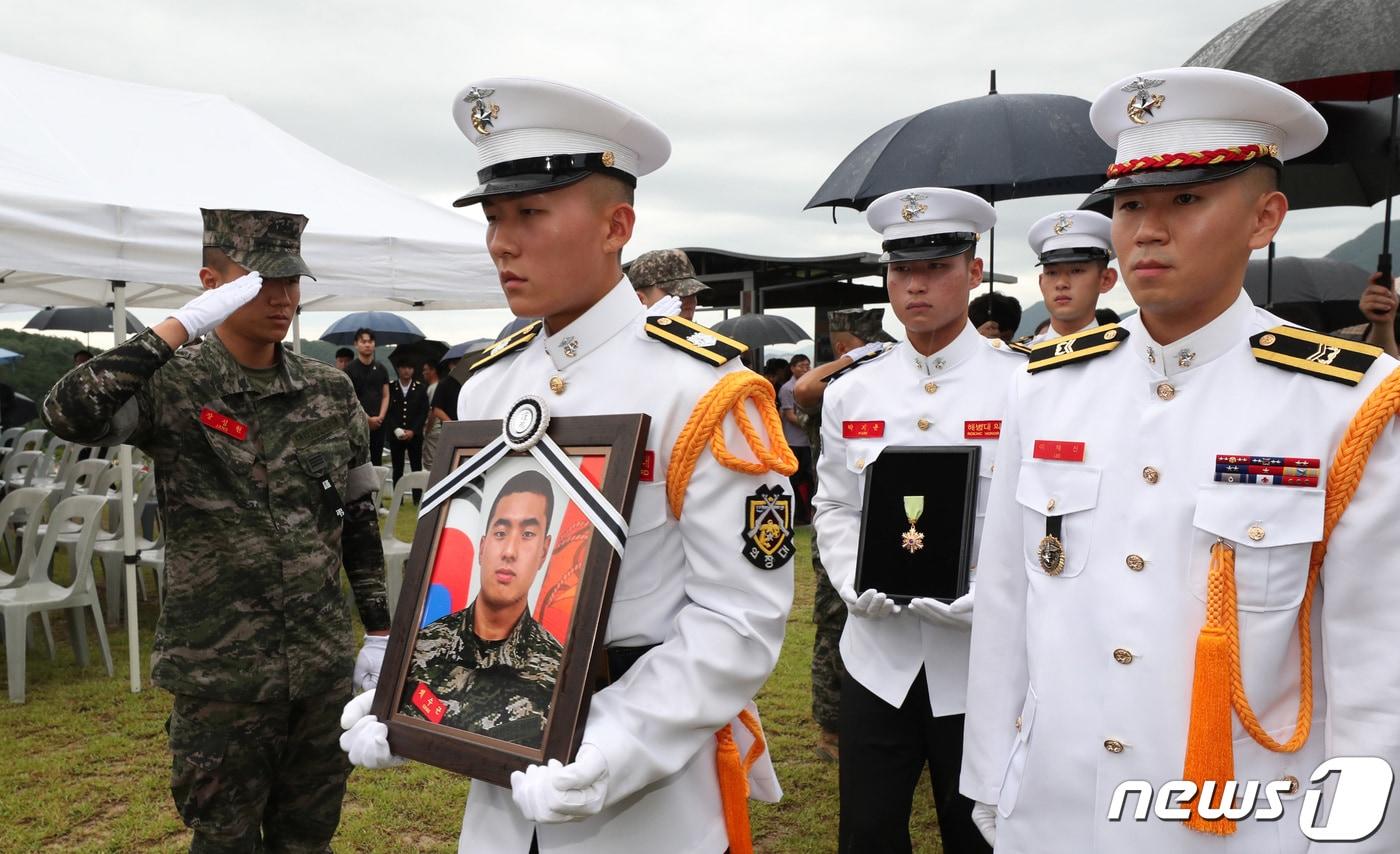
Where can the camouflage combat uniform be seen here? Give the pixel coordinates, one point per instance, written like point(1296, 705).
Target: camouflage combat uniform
point(498, 688)
point(828, 611)
point(263, 484)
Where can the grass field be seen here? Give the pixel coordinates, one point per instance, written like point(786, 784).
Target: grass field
point(84, 764)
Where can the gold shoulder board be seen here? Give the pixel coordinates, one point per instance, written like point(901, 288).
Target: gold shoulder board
point(507, 345)
point(1079, 347)
point(699, 341)
point(1308, 352)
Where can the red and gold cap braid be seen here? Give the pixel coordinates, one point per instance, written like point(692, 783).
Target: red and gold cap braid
point(1210, 157)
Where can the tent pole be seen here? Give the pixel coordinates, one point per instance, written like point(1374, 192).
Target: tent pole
point(296, 332)
point(129, 557)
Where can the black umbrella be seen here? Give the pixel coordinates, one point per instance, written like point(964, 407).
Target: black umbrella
point(1352, 166)
point(17, 411)
point(1319, 293)
point(388, 328)
point(1325, 50)
point(997, 146)
point(90, 318)
point(418, 352)
point(758, 330)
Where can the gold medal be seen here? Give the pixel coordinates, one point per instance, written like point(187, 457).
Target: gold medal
point(1051, 554)
point(913, 539)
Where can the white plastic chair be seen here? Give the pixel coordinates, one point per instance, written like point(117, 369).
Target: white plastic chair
point(110, 552)
point(31, 440)
point(40, 594)
point(8, 438)
point(19, 467)
point(59, 457)
point(16, 509)
point(84, 478)
point(396, 550)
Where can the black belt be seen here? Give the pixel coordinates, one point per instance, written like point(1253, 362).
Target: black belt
point(618, 660)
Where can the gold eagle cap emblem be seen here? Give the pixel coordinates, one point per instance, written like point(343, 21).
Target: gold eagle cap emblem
point(1063, 224)
point(1143, 101)
point(484, 112)
point(914, 206)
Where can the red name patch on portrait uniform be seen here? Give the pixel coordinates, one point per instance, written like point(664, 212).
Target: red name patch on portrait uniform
point(862, 429)
point(981, 429)
point(648, 466)
point(224, 424)
point(427, 702)
point(1069, 452)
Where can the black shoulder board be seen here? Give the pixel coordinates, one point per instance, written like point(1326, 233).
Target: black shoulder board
point(1079, 347)
point(699, 341)
point(868, 357)
point(1308, 352)
point(503, 347)
point(1019, 347)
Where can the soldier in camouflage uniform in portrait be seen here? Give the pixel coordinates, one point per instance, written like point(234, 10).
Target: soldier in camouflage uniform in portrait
point(661, 273)
point(263, 482)
point(491, 668)
point(850, 329)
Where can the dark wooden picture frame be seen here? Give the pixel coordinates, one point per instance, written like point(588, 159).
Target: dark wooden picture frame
point(946, 475)
point(622, 439)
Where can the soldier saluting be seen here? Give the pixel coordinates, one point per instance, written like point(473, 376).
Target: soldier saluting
point(263, 480)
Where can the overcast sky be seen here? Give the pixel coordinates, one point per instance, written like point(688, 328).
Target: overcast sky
point(761, 100)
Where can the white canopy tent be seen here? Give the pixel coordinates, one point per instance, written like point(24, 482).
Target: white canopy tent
point(101, 182)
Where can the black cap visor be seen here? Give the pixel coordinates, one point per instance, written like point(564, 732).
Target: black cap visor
point(1072, 253)
point(1148, 179)
point(927, 247)
point(540, 175)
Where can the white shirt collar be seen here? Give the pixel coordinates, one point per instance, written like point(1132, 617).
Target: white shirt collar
point(1201, 347)
point(608, 316)
point(959, 350)
point(1050, 334)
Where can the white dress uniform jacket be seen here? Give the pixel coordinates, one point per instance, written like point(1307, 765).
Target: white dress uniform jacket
point(922, 400)
point(683, 584)
point(1066, 668)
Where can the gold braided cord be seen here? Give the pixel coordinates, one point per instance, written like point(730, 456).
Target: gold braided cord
point(1342, 481)
point(705, 428)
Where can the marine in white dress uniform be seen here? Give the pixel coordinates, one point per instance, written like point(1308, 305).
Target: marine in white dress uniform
point(705, 583)
point(903, 698)
point(1073, 250)
point(1159, 489)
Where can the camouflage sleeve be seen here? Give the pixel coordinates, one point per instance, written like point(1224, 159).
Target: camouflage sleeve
point(107, 400)
point(361, 550)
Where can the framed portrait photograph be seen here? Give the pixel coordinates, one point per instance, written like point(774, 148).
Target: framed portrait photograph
point(917, 521)
point(498, 634)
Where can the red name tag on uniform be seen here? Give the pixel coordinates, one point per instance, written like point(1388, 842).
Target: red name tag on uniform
point(862, 429)
point(1069, 452)
point(981, 429)
point(224, 424)
point(425, 701)
point(648, 466)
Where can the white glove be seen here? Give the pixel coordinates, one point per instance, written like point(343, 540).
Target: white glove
point(985, 817)
point(213, 307)
point(958, 613)
point(369, 662)
point(866, 349)
point(556, 792)
point(667, 306)
point(398, 433)
point(365, 739)
point(872, 603)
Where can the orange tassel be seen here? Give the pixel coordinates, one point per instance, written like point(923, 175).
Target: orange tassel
point(733, 775)
point(1210, 749)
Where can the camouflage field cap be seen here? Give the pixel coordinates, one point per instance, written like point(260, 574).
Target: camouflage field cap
point(266, 241)
point(667, 269)
point(864, 323)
